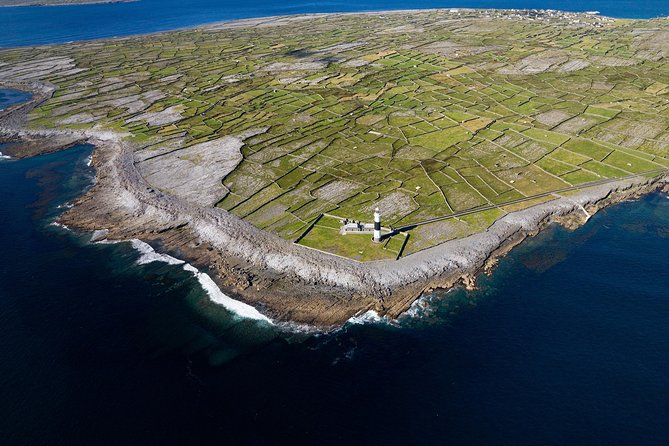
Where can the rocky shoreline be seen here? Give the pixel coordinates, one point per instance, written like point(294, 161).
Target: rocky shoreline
point(283, 280)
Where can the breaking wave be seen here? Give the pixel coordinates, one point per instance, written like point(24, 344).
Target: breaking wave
point(59, 225)
point(149, 255)
point(371, 317)
point(217, 296)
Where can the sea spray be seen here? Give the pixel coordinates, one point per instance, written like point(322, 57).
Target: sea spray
point(424, 307)
point(294, 331)
point(366, 317)
point(420, 309)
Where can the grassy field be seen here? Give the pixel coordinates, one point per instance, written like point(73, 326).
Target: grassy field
point(422, 114)
point(326, 236)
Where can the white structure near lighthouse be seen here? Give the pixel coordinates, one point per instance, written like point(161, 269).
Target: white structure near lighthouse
point(358, 227)
point(377, 225)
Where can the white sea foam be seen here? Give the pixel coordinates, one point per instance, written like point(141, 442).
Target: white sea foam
point(89, 160)
point(4, 157)
point(369, 317)
point(420, 308)
point(148, 255)
point(426, 306)
point(59, 225)
point(299, 329)
point(216, 295)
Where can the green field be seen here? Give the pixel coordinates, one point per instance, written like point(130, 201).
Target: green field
point(423, 114)
point(325, 236)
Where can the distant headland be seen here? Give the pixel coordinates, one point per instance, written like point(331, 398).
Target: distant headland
point(13, 3)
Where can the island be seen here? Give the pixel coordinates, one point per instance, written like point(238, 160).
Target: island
point(324, 166)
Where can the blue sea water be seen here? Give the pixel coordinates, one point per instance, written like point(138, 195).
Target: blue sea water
point(12, 97)
point(58, 24)
point(566, 343)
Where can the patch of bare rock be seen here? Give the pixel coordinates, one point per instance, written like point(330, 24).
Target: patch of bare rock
point(194, 173)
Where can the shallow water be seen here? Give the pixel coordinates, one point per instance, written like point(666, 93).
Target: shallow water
point(12, 97)
point(44, 25)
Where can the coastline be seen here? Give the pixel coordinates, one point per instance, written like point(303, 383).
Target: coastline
point(294, 284)
point(285, 281)
point(282, 280)
point(27, 3)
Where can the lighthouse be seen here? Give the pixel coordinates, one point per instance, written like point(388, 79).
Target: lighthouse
point(377, 225)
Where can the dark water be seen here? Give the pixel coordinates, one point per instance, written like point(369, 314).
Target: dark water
point(41, 25)
point(567, 343)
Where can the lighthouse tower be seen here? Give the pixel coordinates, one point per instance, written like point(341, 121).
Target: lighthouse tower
point(377, 225)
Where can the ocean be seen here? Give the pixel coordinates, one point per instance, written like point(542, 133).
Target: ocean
point(43, 25)
point(565, 343)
